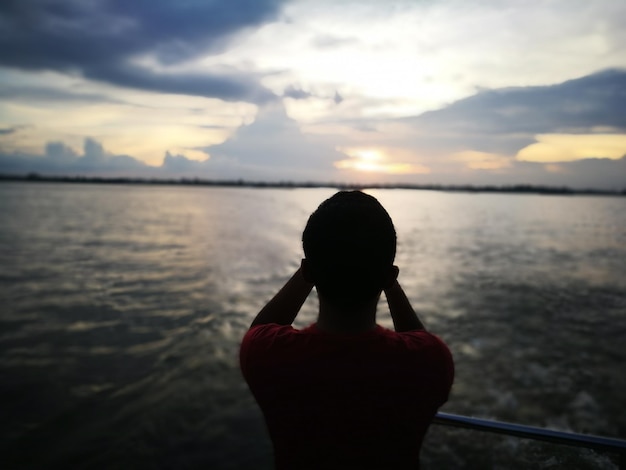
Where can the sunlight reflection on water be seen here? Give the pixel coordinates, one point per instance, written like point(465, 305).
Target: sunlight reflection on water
point(124, 307)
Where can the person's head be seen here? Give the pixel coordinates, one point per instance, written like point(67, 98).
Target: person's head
point(349, 243)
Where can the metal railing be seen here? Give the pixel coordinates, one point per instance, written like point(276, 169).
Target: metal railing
point(599, 443)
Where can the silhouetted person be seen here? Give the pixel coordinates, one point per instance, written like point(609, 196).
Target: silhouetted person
point(345, 392)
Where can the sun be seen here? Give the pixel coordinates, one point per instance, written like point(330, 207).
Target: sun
point(375, 160)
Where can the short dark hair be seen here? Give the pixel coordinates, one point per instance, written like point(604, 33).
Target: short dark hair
point(349, 243)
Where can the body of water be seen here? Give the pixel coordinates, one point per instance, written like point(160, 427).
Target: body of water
point(122, 309)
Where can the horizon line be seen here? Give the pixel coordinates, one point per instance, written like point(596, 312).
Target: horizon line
point(241, 182)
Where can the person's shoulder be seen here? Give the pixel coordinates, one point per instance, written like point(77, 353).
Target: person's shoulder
point(261, 341)
point(413, 336)
point(421, 341)
point(267, 331)
point(422, 336)
point(432, 353)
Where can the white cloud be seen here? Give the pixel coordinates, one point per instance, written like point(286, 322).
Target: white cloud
point(402, 58)
point(273, 147)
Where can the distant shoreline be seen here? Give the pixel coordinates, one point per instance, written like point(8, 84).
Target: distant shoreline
point(511, 189)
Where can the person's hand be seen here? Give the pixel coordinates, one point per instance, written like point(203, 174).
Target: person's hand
point(402, 313)
point(285, 305)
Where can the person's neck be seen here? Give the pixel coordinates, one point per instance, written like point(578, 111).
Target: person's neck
point(337, 320)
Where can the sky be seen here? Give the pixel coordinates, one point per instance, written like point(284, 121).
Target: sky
point(356, 91)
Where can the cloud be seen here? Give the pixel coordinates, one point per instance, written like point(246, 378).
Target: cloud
point(37, 94)
point(180, 164)
point(273, 147)
point(594, 173)
point(296, 93)
point(59, 152)
point(327, 41)
point(228, 87)
point(9, 130)
point(60, 159)
point(505, 121)
point(591, 173)
point(291, 164)
point(484, 138)
point(575, 106)
point(102, 40)
point(299, 94)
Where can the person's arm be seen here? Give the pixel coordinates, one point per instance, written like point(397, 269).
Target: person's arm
point(286, 304)
point(402, 313)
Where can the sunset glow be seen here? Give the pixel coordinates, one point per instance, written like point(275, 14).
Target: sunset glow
point(305, 90)
point(375, 161)
point(552, 148)
point(483, 160)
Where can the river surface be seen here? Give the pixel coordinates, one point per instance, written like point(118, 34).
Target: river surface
point(122, 308)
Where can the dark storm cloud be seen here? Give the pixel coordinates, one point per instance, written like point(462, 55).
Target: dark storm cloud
point(99, 38)
point(227, 87)
point(506, 120)
point(575, 105)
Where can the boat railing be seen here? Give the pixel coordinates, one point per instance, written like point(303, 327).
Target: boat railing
point(597, 443)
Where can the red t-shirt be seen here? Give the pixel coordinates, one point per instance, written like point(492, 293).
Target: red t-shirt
point(346, 400)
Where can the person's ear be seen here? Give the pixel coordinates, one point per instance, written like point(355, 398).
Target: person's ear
point(306, 271)
point(391, 276)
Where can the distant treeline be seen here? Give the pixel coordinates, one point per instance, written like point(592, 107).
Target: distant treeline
point(518, 188)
